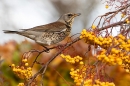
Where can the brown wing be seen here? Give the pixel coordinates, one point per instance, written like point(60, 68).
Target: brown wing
point(51, 27)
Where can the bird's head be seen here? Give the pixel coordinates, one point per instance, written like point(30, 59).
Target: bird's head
point(68, 18)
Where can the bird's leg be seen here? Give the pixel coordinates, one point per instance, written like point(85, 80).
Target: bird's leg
point(46, 49)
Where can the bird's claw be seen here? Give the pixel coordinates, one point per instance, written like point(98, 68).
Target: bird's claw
point(47, 50)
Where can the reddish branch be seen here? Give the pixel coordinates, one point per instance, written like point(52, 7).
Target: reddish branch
point(119, 10)
point(113, 13)
point(112, 25)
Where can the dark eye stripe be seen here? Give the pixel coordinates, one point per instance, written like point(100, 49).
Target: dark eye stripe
point(69, 14)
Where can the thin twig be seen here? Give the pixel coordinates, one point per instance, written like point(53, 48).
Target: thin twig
point(39, 53)
point(44, 67)
point(112, 25)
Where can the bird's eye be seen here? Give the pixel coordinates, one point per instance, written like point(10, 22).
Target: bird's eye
point(69, 15)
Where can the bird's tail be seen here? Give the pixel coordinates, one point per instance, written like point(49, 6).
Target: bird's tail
point(8, 31)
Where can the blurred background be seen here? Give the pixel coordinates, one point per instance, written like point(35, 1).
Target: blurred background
point(24, 14)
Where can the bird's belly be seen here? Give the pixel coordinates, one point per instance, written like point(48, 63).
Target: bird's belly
point(51, 38)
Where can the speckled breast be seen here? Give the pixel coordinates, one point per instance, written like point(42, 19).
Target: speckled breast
point(49, 38)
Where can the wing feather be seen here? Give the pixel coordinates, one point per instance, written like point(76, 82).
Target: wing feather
point(51, 27)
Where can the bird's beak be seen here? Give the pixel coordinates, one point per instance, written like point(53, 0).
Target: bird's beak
point(77, 14)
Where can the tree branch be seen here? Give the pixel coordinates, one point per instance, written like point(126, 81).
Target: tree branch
point(44, 67)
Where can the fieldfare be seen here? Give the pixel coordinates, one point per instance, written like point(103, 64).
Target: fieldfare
point(51, 33)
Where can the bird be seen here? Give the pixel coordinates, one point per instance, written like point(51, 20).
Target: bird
point(51, 33)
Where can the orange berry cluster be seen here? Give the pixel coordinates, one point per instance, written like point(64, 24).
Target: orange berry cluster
point(78, 75)
point(116, 50)
point(123, 43)
point(127, 21)
point(72, 60)
point(126, 62)
point(112, 58)
point(123, 15)
point(21, 84)
point(99, 83)
point(91, 38)
point(106, 6)
point(93, 27)
point(23, 72)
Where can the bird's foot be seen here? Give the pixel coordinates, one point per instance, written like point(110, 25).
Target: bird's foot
point(46, 49)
